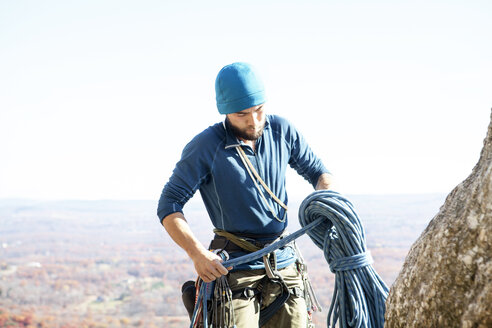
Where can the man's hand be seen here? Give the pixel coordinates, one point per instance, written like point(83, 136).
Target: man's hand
point(325, 181)
point(208, 265)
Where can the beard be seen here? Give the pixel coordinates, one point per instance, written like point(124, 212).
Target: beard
point(244, 134)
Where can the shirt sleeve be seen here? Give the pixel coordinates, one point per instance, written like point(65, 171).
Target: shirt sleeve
point(190, 172)
point(302, 158)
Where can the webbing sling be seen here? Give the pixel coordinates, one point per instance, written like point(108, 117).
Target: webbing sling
point(252, 171)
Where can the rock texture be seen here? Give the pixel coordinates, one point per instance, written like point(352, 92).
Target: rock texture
point(446, 280)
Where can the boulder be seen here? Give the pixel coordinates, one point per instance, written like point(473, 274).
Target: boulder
point(446, 280)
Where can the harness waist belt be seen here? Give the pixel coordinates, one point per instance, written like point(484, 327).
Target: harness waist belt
point(234, 242)
point(220, 242)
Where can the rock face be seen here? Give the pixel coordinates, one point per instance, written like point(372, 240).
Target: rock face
point(446, 280)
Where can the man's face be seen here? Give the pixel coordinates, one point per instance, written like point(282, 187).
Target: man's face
point(248, 124)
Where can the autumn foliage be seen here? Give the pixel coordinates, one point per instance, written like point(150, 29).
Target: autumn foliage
point(110, 264)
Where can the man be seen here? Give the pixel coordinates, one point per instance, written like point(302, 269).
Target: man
point(239, 167)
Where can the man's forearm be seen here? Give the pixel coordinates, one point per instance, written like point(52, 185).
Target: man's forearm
point(207, 264)
point(325, 181)
point(177, 227)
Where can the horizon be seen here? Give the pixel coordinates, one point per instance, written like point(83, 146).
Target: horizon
point(196, 199)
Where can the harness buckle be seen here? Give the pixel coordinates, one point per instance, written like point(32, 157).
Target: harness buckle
point(297, 292)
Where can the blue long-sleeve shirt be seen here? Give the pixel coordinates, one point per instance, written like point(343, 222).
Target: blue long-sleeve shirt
point(211, 164)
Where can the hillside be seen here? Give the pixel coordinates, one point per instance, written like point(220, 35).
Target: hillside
point(111, 264)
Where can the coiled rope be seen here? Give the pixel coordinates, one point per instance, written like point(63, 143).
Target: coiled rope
point(359, 294)
point(332, 223)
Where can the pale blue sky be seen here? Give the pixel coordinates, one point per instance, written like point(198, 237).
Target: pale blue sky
point(98, 98)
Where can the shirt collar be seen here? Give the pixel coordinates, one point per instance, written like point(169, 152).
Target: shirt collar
point(232, 140)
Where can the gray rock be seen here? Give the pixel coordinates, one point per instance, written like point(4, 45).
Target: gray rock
point(446, 280)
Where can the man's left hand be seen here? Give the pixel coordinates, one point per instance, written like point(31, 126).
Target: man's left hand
point(325, 181)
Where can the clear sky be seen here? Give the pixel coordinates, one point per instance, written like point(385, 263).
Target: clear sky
point(98, 98)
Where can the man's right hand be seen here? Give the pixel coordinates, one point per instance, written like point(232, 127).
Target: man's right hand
point(208, 265)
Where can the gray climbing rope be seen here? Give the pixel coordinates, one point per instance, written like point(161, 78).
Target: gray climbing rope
point(359, 294)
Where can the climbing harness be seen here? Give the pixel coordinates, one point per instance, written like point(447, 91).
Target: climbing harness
point(331, 222)
point(229, 242)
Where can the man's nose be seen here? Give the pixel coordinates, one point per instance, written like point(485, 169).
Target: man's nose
point(254, 118)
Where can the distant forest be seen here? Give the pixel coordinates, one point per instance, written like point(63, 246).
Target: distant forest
point(111, 264)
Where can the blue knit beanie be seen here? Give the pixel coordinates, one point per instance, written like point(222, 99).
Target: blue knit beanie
point(238, 87)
